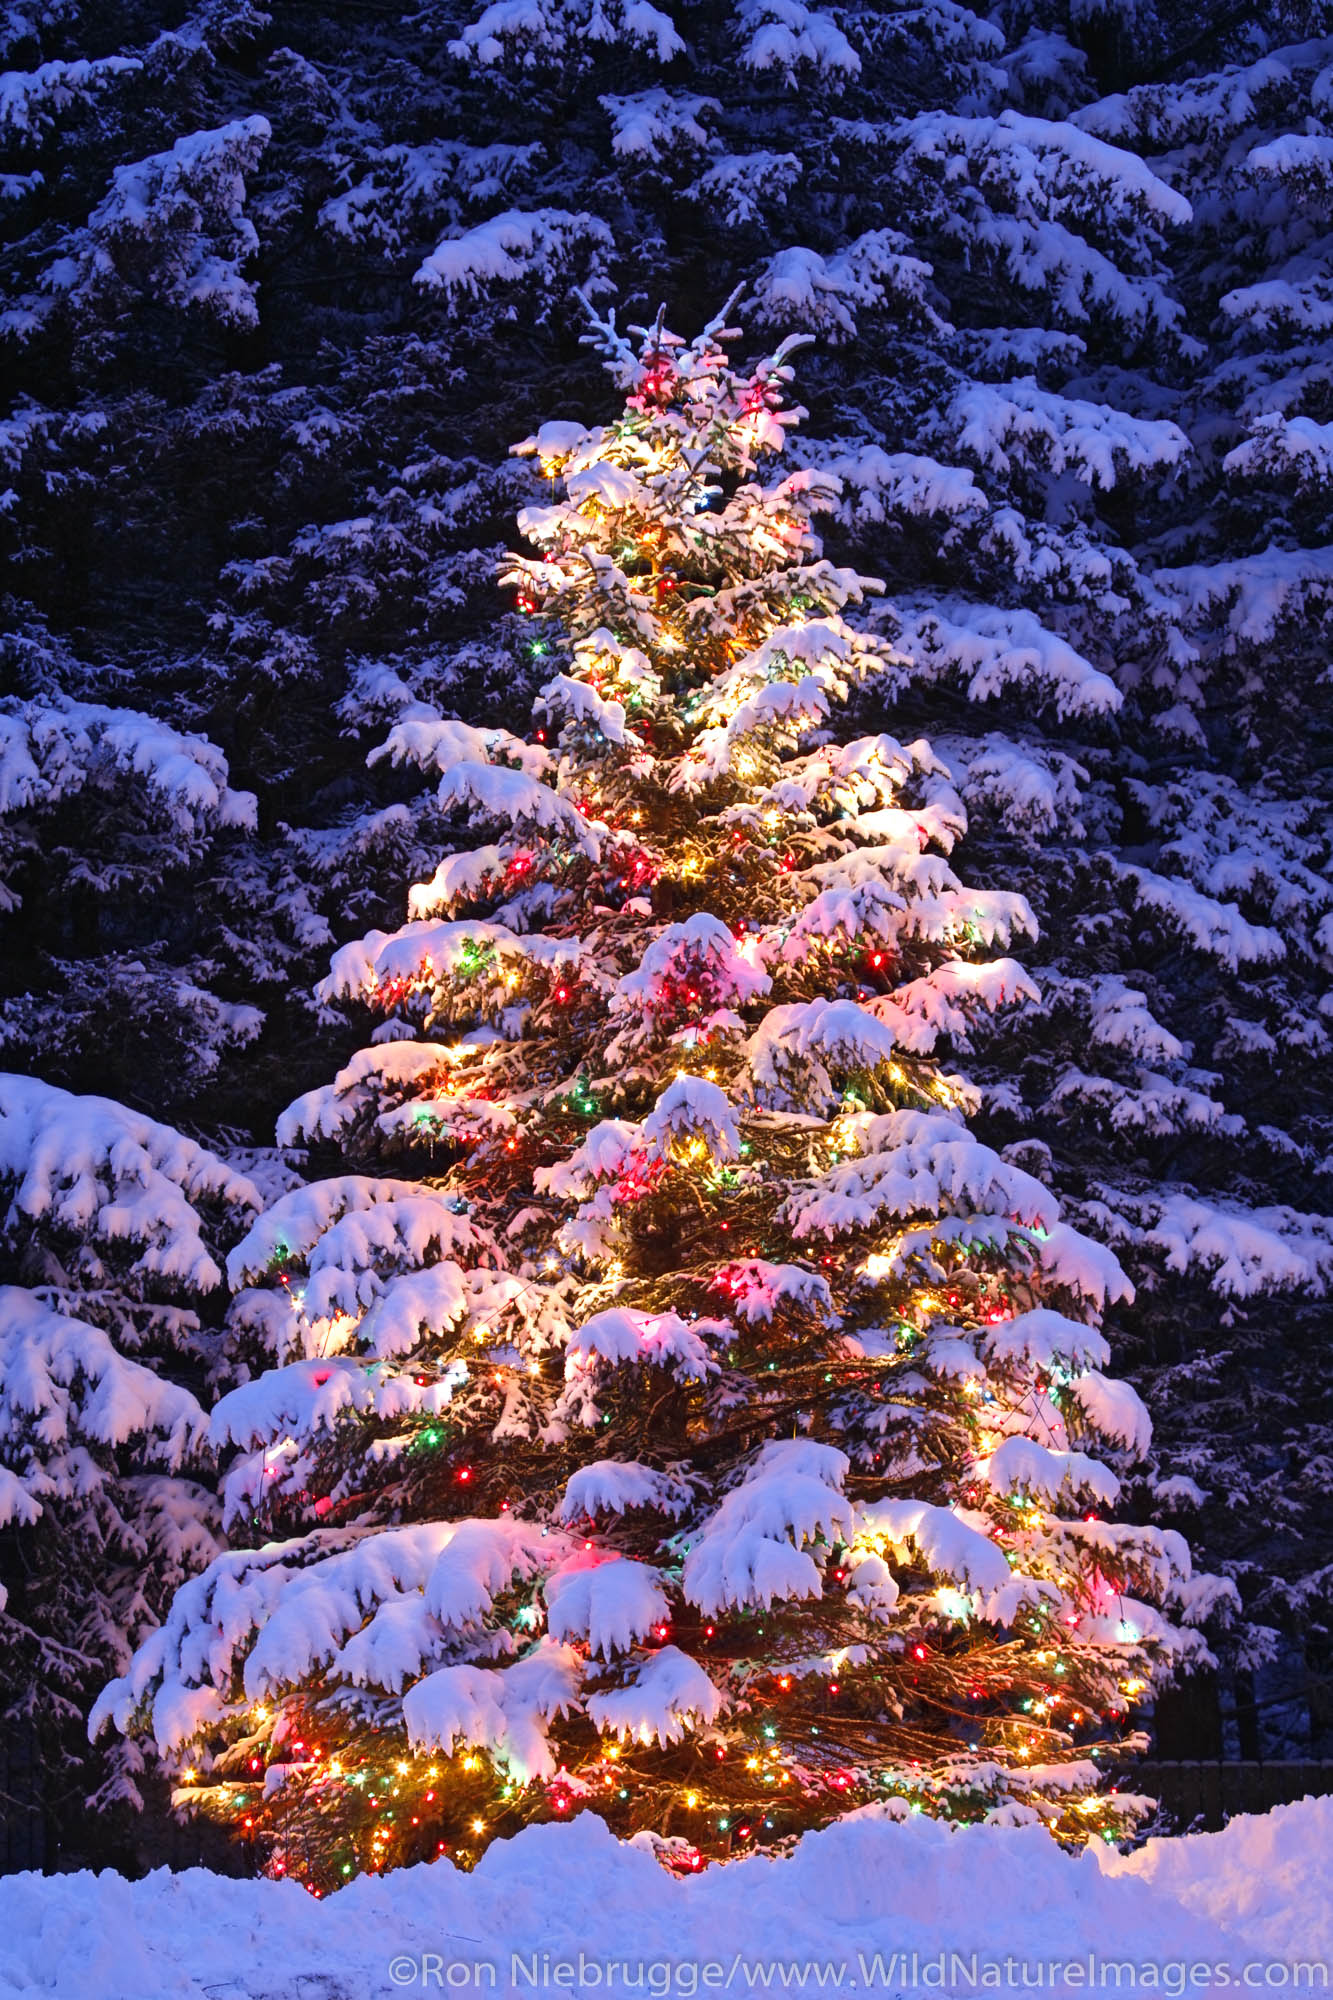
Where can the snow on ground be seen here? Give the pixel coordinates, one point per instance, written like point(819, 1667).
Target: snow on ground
point(1189, 1914)
point(1268, 1880)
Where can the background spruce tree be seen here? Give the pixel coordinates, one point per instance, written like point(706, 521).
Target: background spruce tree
point(111, 1224)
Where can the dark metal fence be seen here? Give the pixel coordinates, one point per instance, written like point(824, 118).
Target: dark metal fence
point(35, 1835)
point(1207, 1795)
point(22, 1825)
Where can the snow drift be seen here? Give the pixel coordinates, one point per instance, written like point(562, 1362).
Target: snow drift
point(1258, 1896)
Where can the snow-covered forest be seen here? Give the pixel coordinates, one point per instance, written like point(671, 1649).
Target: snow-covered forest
point(514, 763)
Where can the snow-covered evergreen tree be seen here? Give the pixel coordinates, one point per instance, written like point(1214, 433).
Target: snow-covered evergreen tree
point(108, 1233)
point(1186, 1017)
point(703, 1427)
point(108, 819)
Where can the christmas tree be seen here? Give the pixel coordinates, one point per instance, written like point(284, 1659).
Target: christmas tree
point(703, 1428)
